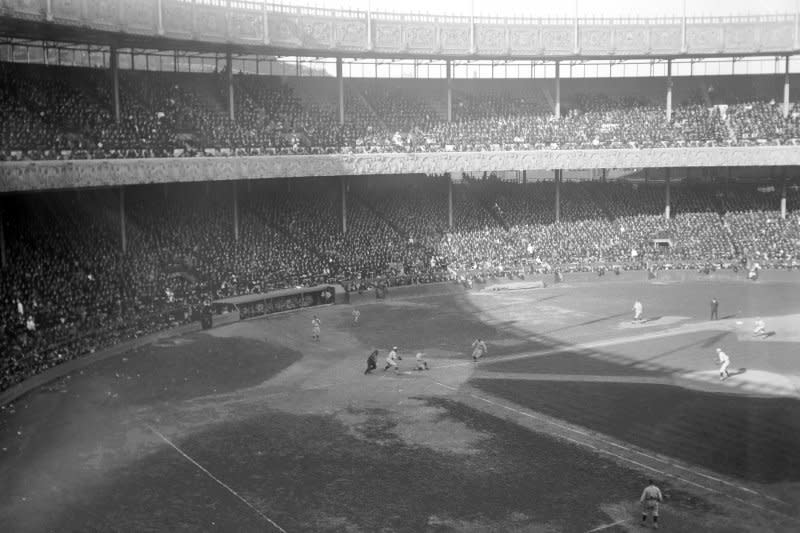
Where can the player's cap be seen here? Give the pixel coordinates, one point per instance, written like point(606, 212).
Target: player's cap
point(394, 347)
point(719, 349)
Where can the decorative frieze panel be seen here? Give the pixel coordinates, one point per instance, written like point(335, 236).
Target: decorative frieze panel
point(41, 175)
point(741, 37)
point(139, 16)
point(778, 36)
point(350, 34)
point(285, 30)
point(246, 26)
point(104, 14)
point(557, 40)
point(209, 25)
point(631, 39)
point(490, 39)
point(388, 36)
point(177, 19)
point(317, 32)
point(68, 11)
point(665, 38)
point(454, 39)
point(420, 37)
point(595, 40)
point(28, 9)
point(524, 40)
point(704, 39)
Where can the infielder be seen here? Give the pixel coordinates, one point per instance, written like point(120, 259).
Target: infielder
point(478, 349)
point(724, 362)
point(356, 316)
point(761, 329)
point(315, 327)
point(651, 496)
point(422, 364)
point(637, 310)
point(392, 359)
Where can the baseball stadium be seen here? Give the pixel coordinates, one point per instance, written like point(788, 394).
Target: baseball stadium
point(355, 268)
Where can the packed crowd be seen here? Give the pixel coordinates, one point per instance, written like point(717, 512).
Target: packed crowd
point(68, 289)
point(67, 113)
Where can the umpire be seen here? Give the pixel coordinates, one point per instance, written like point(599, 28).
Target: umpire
point(372, 362)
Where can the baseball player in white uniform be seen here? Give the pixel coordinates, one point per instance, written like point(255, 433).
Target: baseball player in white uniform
point(724, 362)
point(761, 328)
point(422, 364)
point(637, 310)
point(651, 496)
point(316, 323)
point(356, 316)
point(478, 349)
point(392, 359)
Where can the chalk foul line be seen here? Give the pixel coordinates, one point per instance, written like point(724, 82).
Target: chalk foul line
point(216, 479)
point(638, 464)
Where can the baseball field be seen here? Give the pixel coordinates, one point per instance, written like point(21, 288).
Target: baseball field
point(252, 426)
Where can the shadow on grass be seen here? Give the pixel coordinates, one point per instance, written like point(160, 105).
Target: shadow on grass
point(311, 473)
point(715, 431)
point(586, 323)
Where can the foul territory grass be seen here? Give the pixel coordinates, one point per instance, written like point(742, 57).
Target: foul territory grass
point(310, 473)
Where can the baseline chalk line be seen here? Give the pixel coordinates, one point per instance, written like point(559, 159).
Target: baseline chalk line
point(212, 476)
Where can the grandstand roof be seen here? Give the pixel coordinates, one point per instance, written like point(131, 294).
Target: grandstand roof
point(540, 8)
point(250, 26)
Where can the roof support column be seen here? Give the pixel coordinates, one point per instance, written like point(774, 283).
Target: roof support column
point(786, 89)
point(449, 76)
point(3, 258)
point(340, 84)
point(369, 25)
point(343, 187)
point(683, 29)
point(231, 108)
point(115, 81)
point(576, 40)
point(667, 194)
point(235, 211)
point(783, 198)
point(123, 235)
point(557, 174)
point(450, 202)
point(796, 29)
point(265, 20)
point(160, 20)
point(669, 90)
point(472, 27)
point(557, 108)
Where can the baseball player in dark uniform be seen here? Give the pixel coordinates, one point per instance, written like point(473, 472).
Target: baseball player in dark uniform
point(372, 362)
